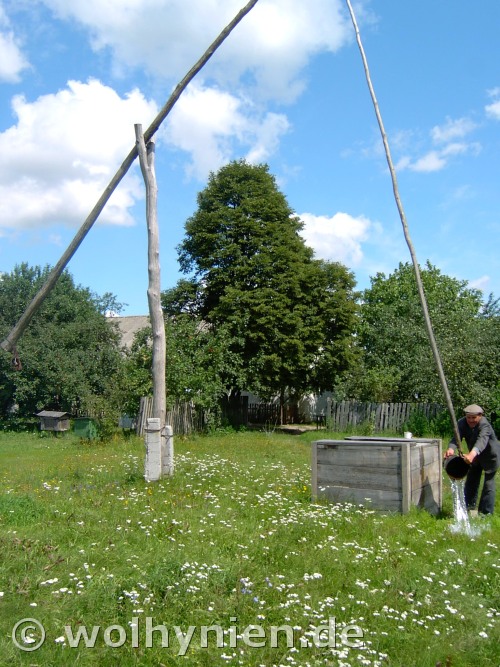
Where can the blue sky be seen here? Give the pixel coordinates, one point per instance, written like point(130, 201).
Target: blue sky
point(287, 88)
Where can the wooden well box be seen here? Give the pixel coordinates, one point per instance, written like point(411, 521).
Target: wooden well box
point(390, 474)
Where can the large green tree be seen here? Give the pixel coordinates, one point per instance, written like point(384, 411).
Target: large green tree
point(70, 354)
point(398, 362)
point(289, 316)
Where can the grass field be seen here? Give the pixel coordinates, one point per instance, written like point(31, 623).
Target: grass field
point(228, 562)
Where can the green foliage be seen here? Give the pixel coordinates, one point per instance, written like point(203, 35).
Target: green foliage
point(105, 413)
point(494, 409)
point(69, 353)
point(288, 318)
point(198, 357)
point(19, 424)
point(418, 424)
point(441, 425)
point(398, 363)
point(378, 385)
point(136, 376)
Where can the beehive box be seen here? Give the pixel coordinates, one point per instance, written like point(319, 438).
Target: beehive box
point(390, 474)
point(50, 420)
point(85, 427)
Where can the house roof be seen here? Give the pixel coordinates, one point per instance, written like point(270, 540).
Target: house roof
point(53, 414)
point(129, 326)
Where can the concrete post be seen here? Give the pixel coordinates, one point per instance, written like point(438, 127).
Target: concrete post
point(153, 442)
point(167, 467)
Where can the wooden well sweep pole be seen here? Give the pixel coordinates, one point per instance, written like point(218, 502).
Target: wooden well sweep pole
point(9, 343)
point(420, 287)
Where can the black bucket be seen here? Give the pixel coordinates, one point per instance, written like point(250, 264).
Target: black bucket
point(456, 467)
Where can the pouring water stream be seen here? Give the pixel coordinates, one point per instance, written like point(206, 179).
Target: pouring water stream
point(461, 522)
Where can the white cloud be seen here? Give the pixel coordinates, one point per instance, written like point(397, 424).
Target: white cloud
point(12, 60)
point(452, 129)
point(273, 43)
point(58, 158)
point(217, 117)
point(432, 161)
point(445, 136)
point(267, 135)
point(226, 121)
point(336, 238)
point(481, 283)
point(493, 110)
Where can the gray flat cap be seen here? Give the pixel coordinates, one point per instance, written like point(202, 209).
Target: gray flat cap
point(474, 410)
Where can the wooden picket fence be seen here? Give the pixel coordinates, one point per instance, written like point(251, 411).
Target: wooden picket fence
point(264, 413)
point(342, 415)
point(182, 417)
point(338, 416)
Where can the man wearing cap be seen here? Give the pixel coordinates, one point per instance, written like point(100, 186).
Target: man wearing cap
point(483, 456)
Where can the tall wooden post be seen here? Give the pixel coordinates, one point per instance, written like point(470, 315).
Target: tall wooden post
point(146, 158)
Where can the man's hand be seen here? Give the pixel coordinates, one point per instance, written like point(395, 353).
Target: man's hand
point(470, 456)
point(449, 452)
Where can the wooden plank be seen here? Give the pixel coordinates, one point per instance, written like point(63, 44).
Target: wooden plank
point(423, 455)
point(358, 477)
point(426, 489)
point(376, 499)
point(428, 474)
point(343, 415)
point(379, 419)
point(396, 411)
point(337, 416)
point(391, 414)
point(428, 498)
point(334, 417)
point(405, 478)
point(408, 410)
point(354, 457)
point(365, 441)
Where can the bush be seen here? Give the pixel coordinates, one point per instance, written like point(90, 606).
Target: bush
point(441, 425)
point(20, 424)
point(104, 413)
point(418, 424)
point(495, 422)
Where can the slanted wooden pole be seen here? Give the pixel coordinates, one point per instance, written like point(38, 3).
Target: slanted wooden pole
point(420, 287)
point(9, 343)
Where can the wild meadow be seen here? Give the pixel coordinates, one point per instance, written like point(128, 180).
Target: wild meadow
point(228, 562)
